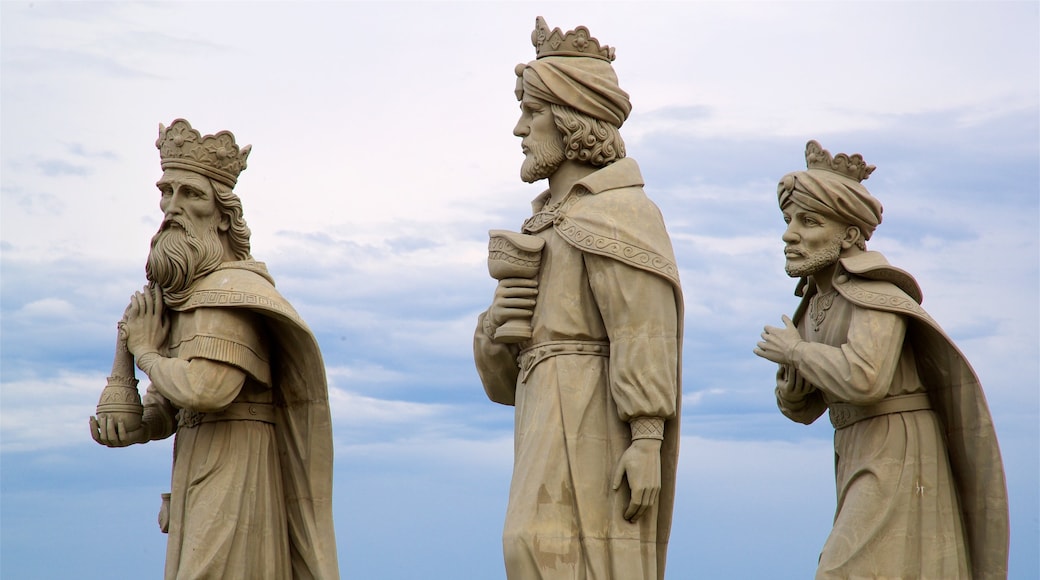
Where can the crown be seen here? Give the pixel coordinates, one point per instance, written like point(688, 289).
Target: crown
point(851, 166)
point(215, 156)
point(577, 42)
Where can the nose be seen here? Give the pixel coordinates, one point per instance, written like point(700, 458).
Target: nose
point(171, 204)
point(521, 129)
point(790, 236)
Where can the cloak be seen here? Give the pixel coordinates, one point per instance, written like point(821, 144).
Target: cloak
point(609, 215)
point(303, 422)
point(869, 281)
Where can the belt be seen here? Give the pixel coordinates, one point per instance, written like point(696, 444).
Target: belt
point(263, 412)
point(531, 356)
point(845, 414)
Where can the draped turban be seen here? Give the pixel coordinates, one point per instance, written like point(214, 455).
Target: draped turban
point(833, 194)
point(588, 85)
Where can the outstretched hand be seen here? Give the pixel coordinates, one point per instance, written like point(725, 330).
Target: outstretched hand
point(777, 342)
point(641, 464)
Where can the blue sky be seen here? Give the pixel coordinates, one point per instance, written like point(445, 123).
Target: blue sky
point(382, 154)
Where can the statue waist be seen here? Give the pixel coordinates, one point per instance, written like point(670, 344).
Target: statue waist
point(532, 356)
point(844, 414)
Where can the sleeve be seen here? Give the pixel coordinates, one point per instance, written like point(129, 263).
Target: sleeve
point(496, 365)
point(641, 318)
point(160, 415)
point(860, 371)
point(213, 362)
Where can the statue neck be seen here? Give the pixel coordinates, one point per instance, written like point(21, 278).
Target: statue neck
point(563, 179)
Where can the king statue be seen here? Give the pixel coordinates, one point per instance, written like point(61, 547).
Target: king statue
point(235, 375)
point(596, 381)
point(920, 482)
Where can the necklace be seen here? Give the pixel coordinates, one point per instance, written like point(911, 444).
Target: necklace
point(818, 307)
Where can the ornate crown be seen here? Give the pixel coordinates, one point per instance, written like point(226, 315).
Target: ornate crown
point(577, 42)
point(215, 156)
point(851, 166)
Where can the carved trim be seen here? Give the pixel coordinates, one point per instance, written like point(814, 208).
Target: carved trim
point(211, 298)
point(858, 293)
point(632, 255)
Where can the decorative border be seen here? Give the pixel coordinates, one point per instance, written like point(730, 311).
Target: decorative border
point(627, 253)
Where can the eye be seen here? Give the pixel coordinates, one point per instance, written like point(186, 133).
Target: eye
point(810, 221)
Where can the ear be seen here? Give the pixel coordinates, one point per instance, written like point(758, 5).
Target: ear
point(225, 223)
point(851, 237)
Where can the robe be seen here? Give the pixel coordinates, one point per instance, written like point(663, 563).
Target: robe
point(920, 493)
point(244, 390)
point(605, 349)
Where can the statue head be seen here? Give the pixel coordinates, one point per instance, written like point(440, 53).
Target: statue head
point(571, 104)
point(828, 210)
point(203, 224)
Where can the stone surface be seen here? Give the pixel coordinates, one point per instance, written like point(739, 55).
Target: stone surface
point(235, 375)
point(920, 482)
point(597, 385)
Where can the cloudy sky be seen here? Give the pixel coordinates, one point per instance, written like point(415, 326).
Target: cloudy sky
point(382, 154)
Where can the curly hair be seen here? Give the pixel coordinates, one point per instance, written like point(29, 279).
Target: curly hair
point(230, 206)
point(587, 138)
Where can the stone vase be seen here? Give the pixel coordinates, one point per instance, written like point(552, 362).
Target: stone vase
point(120, 399)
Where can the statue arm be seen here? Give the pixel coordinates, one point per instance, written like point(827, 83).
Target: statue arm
point(860, 371)
point(496, 364)
point(160, 416)
point(640, 314)
point(198, 384)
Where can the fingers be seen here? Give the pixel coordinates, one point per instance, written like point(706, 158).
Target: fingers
point(94, 430)
point(619, 474)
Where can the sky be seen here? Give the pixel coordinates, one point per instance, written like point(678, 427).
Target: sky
point(383, 153)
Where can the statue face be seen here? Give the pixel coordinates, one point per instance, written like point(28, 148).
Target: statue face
point(812, 241)
point(542, 142)
point(186, 195)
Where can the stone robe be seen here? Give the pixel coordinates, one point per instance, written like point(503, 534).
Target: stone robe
point(244, 389)
point(920, 493)
point(605, 350)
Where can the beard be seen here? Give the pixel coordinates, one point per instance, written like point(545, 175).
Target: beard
point(180, 256)
point(815, 261)
point(542, 160)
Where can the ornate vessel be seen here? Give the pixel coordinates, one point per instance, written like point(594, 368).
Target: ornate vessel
point(514, 255)
point(120, 399)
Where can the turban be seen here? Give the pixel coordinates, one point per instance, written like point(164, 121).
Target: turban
point(833, 194)
point(588, 85)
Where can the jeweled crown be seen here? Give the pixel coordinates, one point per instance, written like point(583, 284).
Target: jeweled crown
point(577, 42)
point(851, 166)
point(215, 156)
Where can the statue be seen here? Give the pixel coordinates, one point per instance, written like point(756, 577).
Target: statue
point(235, 375)
point(596, 385)
point(920, 482)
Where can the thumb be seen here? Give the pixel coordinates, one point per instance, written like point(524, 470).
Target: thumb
point(619, 473)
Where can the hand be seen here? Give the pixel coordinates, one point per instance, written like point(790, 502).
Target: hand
point(111, 433)
point(146, 327)
point(777, 342)
point(164, 514)
point(641, 463)
point(791, 385)
point(514, 298)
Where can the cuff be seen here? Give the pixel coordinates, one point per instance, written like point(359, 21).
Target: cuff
point(647, 428)
point(146, 361)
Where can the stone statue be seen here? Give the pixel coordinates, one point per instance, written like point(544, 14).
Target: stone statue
point(597, 385)
point(235, 374)
point(920, 482)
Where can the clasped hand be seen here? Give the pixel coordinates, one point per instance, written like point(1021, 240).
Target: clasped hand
point(144, 324)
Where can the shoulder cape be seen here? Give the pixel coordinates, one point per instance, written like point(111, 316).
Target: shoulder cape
point(611, 216)
point(868, 281)
point(303, 421)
